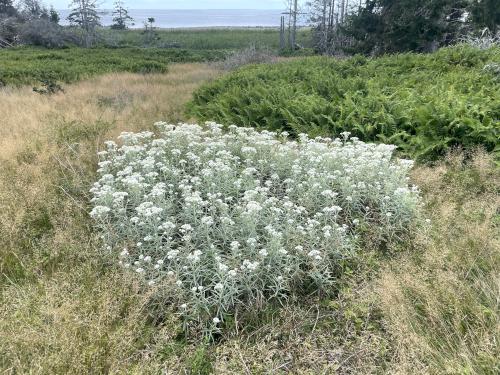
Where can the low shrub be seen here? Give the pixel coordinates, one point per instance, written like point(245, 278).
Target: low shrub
point(48, 87)
point(424, 104)
point(227, 221)
point(149, 67)
point(249, 55)
point(41, 32)
point(28, 65)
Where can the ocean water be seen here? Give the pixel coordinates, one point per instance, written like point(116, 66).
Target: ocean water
point(196, 18)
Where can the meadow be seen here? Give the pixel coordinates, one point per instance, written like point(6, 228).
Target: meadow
point(204, 39)
point(419, 296)
point(424, 104)
point(133, 51)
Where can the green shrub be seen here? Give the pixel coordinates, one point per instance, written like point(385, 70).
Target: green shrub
point(149, 67)
point(424, 104)
point(29, 65)
point(48, 87)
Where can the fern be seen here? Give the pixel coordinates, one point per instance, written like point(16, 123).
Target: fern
point(424, 104)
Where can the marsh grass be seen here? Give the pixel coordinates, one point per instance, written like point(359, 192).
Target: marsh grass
point(205, 38)
point(441, 302)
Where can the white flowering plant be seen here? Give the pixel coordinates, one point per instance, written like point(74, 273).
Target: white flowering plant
point(233, 218)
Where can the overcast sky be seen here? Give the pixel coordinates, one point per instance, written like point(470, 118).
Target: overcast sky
point(184, 4)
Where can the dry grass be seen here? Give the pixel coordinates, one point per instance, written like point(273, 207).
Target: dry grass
point(441, 303)
point(431, 309)
point(65, 309)
point(128, 101)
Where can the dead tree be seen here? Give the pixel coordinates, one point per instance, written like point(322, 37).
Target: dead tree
point(293, 13)
point(282, 33)
point(84, 14)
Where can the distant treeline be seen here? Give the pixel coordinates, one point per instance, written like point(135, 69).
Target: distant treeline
point(337, 26)
point(30, 22)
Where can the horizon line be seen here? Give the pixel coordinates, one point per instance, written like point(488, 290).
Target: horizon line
point(187, 8)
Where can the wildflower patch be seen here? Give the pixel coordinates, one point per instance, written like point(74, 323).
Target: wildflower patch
point(232, 219)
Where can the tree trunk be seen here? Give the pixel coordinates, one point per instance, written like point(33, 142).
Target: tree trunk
point(342, 10)
point(294, 28)
point(282, 33)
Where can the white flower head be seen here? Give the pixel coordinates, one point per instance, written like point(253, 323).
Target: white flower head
point(240, 209)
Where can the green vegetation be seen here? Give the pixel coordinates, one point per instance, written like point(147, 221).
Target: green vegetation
point(428, 305)
point(203, 39)
point(425, 104)
point(119, 51)
point(28, 65)
point(377, 27)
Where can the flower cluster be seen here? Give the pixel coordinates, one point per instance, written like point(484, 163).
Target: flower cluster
point(230, 218)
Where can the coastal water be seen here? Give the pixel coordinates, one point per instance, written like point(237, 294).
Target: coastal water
point(165, 18)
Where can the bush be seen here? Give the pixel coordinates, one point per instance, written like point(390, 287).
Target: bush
point(49, 87)
point(149, 67)
point(250, 55)
point(41, 32)
point(28, 65)
point(228, 221)
point(424, 104)
point(9, 29)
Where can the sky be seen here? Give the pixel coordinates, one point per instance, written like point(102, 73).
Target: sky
point(183, 4)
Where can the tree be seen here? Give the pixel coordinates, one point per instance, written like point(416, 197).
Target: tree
point(120, 16)
point(328, 16)
point(293, 12)
point(150, 23)
point(387, 26)
point(485, 14)
point(84, 15)
point(7, 8)
point(149, 30)
point(321, 15)
point(32, 9)
point(294, 23)
point(54, 16)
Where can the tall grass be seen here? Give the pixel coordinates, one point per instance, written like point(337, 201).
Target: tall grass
point(441, 302)
point(206, 39)
point(61, 311)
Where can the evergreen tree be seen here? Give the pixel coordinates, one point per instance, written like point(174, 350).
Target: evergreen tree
point(121, 18)
point(84, 15)
point(54, 16)
point(486, 14)
point(149, 30)
point(387, 26)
